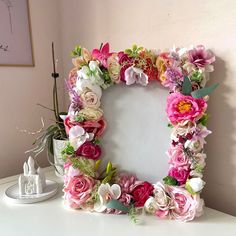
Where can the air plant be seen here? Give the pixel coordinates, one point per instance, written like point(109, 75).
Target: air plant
point(55, 130)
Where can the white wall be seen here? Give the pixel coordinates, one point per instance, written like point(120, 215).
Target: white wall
point(21, 88)
point(160, 24)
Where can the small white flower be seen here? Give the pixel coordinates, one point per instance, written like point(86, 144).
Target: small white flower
point(135, 75)
point(196, 184)
point(106, 193)
point(91, 73)
point(195, 146)
point(77, 136)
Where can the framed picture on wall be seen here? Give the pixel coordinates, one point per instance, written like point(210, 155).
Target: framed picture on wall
point(15, 34)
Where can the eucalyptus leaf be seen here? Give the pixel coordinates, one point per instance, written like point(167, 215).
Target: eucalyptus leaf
point(115, 204)
point(204, 91)
point(187, 86)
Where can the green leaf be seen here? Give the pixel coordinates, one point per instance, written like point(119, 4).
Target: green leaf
point(189, 189)
point(204, 119)
point(97, 141)
point(97, 164)
point(128, 51)
point(69, 150)
point(135, 47)
point(170, 181)
point(204, 91)
point(187, 86)
point(170, 125)
point(115, 204)
point(109, 167)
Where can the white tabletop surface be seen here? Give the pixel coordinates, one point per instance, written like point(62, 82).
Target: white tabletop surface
point(51, 218)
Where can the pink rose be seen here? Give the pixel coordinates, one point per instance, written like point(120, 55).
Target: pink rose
point(141, 193)
point(177, 156)
point(181, 108)
point(78, 190)
point(179, 173)
point(89, 150)
point(186, 206)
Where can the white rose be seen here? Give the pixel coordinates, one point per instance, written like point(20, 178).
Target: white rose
point(90, 99)
point(196, 184)
point(194, 146)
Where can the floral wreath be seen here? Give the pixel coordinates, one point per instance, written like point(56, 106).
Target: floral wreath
point(184, 71)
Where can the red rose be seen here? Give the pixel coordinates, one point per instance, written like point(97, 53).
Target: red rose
point(89, 150)
point(95, 127)
point(141, 193)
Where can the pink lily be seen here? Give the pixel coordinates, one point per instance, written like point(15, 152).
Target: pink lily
point(103, 54)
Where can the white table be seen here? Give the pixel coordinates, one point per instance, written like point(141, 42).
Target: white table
point(50, 218)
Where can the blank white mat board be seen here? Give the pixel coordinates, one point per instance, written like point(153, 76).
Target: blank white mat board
point(137, 136)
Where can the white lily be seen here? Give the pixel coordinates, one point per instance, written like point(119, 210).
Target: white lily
point(106, 193)
point(77, 136)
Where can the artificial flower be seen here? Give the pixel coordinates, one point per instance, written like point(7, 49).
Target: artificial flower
point(135, 75)
point(95, 127)
point(194, 185)
point(72, 78)
point(91, 72)
point(181, 129)
point(106, 193)
point(200, 57)
point(77, 136)
point(177, 156)
point(113, 68)
point(82, 84)
point(199, 160)
point(181, 108)
point(173, 77)
point(194, 146)
point(141, 193)
point(179, 173)
point(83, 59)
point(162, 200)
point(200, 132)
point(89, 113)
point(103, 54)
point(126, 181)
point(89, 150)
point(186, 206)
point(90, 99)
point(78, 190)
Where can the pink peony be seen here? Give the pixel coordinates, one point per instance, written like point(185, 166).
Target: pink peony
point(179, 173)
point(200, 57)
point(181, 108)
point(78, 190)
point(186, 206)
point(177, 156)
point(89, 150)
point(126, 181)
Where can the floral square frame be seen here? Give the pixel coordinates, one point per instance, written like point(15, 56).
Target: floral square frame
point(88, 186)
